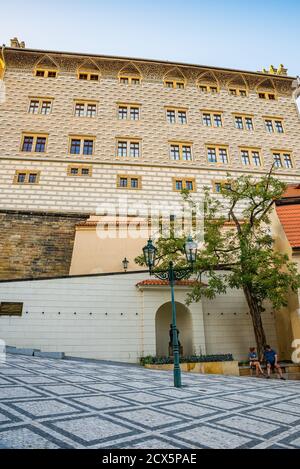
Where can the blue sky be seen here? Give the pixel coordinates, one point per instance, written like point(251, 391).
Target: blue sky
point(227, 33)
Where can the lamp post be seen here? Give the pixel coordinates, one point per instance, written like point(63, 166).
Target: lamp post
point(172, 274)
point(125, 263)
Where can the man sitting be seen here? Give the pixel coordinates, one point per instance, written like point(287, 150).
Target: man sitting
point(271, 359)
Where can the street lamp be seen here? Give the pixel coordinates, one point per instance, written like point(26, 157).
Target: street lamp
point(125, 263)
point(172, 275)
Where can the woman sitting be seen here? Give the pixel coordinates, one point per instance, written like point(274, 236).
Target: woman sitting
point(254, 362)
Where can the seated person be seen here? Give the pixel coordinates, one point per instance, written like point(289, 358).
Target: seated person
point(254, 361)
point(271, 359)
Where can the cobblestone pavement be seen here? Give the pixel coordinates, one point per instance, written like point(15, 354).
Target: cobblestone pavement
point(84, 404)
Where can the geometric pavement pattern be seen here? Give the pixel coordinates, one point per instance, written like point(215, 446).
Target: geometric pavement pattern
point(48, 403)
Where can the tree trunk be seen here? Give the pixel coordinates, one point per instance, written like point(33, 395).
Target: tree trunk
point(255, 311)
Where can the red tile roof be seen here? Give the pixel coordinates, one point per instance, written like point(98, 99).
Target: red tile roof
point(289, 216)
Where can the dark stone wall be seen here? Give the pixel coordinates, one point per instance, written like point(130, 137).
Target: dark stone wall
point(36, 244)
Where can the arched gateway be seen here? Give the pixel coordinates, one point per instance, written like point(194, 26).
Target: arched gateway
point(163, 319)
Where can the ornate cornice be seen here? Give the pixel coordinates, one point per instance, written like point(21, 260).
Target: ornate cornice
point(151, 70)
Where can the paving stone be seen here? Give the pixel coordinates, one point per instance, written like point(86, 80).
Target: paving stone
point(47, 403)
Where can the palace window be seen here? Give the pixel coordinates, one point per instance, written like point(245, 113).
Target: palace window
point(219, 185)
point(251, 157)
point(82, 146)
point(265, 95)
point(79, 170)
point(85, 109)
point(129, 182)
point(40, 106)
point(88, 76)
point(217, 154)
point(243, 122)
point(180, 151)
point(187, 183)
point(237, 92)
point(129, 112)
point(26, 177)
point(212, 119)
point(34, 143)
point(274, 124)
point(43, 73)
point(175, 84)
point(129, 80)
point(283, 159)
point(206, 88)
point(128, 148)
point(175, 115)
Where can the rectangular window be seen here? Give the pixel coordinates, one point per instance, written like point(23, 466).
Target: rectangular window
point(239, 122)
point(251, 157)
point(212, 118)
point(219, 185)
point(187, 184)
point(129, 182)
point(40, 106)
point(134, 149)
point(79, 170)
point(46, 107)
point(243, 122)
point(249, 123)
point(237, 92)
point(79, 110)
point(82, 146)
point(129, 148)
point(206, 119)
point(11, 308)
point(175, 84)
point(123, 112)
point(217, 154)
point(217, 120)
point(182, 117)
point(91, 110)
point(270, 96)
point(88, 76)
point(27, 144)
point(34, 143)
point(171, 116)
point(129, 80)
point(26, 177)
point(283, 159)
point(40, 146)
point(85, 109)
point(46, 73)
point(88, 147)
point(129, 112)
point(34, 106)
point(178, 116)
point(75, 146)
point(180, 151)
point(274, 124)
point(134, 113)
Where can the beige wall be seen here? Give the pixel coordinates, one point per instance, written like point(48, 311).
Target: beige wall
point(288, 318)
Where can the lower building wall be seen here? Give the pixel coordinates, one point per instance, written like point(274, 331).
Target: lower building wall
point(228, 325)
point(34, 244)
point(108, 317)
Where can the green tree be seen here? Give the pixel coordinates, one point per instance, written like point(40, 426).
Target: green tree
point(238, 248)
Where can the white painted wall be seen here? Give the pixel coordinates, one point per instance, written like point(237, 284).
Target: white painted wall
point(122, 324)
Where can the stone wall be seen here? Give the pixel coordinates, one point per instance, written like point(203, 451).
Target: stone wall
point(34, 245)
